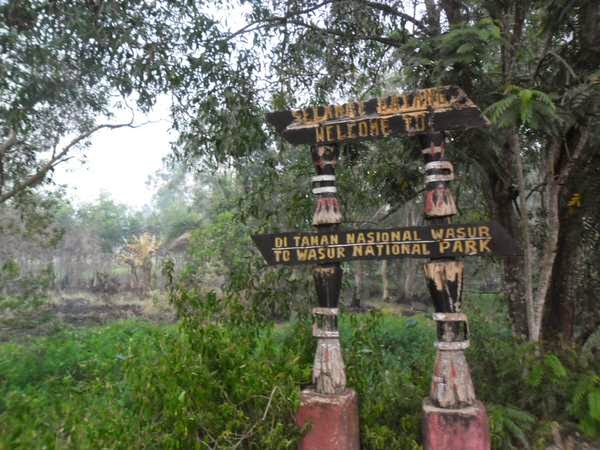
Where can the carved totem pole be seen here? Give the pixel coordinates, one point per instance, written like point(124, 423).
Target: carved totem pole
point(452, 404)
point(328, 404)
point(329, 375)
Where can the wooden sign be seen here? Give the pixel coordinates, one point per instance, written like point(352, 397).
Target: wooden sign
point(485, 239)
point(422, 111)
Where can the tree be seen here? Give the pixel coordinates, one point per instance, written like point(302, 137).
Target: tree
point(65, 66)
point(541, 86)
point(137, 254)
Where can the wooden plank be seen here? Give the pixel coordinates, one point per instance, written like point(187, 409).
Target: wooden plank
point(292, 248)
point(423, 111)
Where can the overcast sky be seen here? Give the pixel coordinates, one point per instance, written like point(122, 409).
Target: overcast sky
point(120, 161)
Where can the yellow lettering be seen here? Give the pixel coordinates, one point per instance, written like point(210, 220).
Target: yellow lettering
point(357, 250)
point(329, 132)
point(351, 126)
point(444, 245)
point(322, 253)
point(484, 231)
point(385, 127)
point(483, 246)
point(340, 135)
point(437, 233)
point(350, 110)
point(458, 247)
point(320, 132)
point(460, 232)
point(416, 249)
point(302, 255)
point(369, 250)
point(382, 105)
point(374, 128)
point(350, 238)
point(424, 250)
point(363, 129)
point(341, 252)
point(361, 108)
point(471, 247)
point(306, 116)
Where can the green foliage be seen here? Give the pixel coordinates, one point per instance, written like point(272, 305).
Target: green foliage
point(585, 405)
point(111, 222)
point(23, 298)
point(509, 426)
point(388, 362)
point(226, 379)
point(528, 107)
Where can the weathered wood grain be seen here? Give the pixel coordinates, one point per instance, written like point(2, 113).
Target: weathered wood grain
point(412, 113)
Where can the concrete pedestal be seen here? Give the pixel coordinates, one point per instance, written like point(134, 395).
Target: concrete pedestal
point(333, 419)
point(455, 429)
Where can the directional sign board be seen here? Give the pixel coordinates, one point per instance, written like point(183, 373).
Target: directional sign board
point(423, 111)
point(484, 239)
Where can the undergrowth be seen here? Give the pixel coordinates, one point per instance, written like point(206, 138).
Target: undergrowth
point(226, 379)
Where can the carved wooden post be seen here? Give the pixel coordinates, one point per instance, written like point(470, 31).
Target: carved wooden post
point(329, 375)
point(329, 406)
point(454, 419)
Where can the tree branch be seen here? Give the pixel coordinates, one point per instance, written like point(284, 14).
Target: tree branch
point(265, 22)
point(354, 37)
point(394, 12)
point(8, 143)
point(281, 20)
point(575, 155)
point(57, 158)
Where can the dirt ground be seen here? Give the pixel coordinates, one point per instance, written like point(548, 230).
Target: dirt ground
point(81, 309)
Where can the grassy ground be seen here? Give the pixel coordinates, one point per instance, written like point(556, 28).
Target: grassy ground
point(23, 318)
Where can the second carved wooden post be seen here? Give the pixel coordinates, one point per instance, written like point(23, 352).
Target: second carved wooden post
point(328, 405)
point(453, 417)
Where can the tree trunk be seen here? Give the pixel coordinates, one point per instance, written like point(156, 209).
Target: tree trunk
point(559, 317)
point(385, 281)
point(514, 147)
point(358, 277)
point(501, 196)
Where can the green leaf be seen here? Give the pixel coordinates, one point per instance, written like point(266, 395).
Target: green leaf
point(594, 404)
point(465, 48)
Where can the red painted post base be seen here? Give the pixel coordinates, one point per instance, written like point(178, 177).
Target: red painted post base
point(333, 418)
point(455, 429)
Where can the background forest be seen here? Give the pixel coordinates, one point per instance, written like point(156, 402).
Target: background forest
point(217, 344)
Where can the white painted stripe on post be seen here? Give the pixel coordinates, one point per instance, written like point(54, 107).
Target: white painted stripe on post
point(435, 178)
point(438, 165)
point(318, 178)
point(324, 190)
